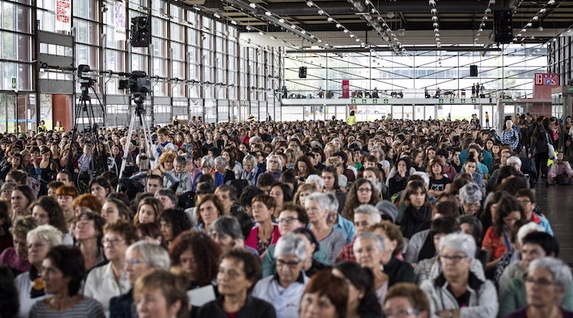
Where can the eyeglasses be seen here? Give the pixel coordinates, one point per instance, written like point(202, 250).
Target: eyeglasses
point(452, 258)
point(288, 219)
point(134, 261)
point(540, 282)
point(364, 190)
point(401, 313)
point(111, 241)
point(282, 262)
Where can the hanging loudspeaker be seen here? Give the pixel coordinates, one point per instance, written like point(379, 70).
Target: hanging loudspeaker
point(473, 70)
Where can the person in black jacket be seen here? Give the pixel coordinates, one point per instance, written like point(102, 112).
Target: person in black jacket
point(239, 271)
point(397, 270)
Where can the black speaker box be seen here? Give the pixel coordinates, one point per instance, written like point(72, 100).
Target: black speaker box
point(473, 70)
point(302, 72)
point(503, 26)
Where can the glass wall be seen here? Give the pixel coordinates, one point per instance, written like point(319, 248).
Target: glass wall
point(194, 60)
point(509, 71)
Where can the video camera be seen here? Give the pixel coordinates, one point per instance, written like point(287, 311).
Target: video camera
point(85, 81)
point(138, 83)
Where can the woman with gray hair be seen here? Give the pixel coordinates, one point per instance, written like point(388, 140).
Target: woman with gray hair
point(250, 169)
point(470, 197)
point(226, 231)
point(457, 287)
point(545, 284)
point(285, 289)
point(140, 257)
point(29, 284)
point(368, 249)
point(318, 207)
point(208, 168)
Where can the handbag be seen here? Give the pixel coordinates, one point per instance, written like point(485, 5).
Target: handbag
point(550, 149)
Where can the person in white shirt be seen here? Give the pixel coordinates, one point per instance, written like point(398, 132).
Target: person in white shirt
point(110, 280)
point(284, 289)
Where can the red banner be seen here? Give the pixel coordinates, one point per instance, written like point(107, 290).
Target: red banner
point(345, 89)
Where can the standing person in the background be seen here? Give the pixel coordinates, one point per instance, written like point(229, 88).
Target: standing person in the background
point(510, 136)
point(58, 127)
point(351, 119)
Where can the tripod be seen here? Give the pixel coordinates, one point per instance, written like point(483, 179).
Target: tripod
point(96, 164)
point(138, 113)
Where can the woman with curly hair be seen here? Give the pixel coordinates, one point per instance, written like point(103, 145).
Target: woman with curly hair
point(361, 192)
point(303, 168)
point(197, 256)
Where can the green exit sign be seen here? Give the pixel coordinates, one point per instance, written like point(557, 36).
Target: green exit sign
point(570, 89)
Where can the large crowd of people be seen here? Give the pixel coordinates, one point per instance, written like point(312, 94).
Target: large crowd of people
point(389, 218)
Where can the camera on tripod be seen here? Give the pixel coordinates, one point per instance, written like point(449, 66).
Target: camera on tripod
point(85, 81)
point(138, 83)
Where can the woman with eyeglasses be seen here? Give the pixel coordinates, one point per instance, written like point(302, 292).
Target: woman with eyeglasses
point(406, 300)
point(140, 258)
point(29, 284)
point(285, 289)
point(545, 284)
point(109, 280)
point(459, 289)
point(361, 192)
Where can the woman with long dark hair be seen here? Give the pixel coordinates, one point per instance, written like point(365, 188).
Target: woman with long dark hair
point(416, 210)
point(539, 149)
point(362, 301)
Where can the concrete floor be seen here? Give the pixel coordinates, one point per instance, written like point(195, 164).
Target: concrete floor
point(556, 203)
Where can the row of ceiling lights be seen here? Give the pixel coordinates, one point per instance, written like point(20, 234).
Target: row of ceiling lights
point(486, 12)
point(338, 25)
point(377, 21)
point(521, 35)
point(435, 22)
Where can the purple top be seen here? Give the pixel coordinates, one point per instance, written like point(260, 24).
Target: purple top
point(522, 313)
point(11, 259)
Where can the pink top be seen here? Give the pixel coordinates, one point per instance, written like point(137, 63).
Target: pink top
point(11, 259)
point(253, 239)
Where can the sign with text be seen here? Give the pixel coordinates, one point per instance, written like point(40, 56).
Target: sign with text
point(546, 79)
point(119, 10)
point(64, 15)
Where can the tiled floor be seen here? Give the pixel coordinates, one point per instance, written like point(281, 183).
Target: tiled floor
point(556, 203)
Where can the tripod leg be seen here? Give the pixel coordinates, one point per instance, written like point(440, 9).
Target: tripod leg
point(126, 148)
point(148, 144)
